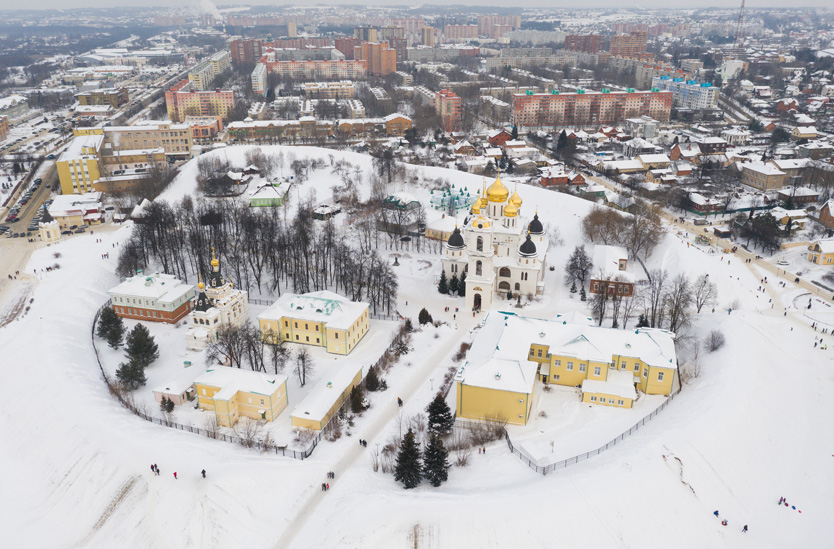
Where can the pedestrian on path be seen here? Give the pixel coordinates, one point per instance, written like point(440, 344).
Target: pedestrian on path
point(744, 529)
point(715, 512)
point(328, 486)
point(175, 475)
point(203, 472)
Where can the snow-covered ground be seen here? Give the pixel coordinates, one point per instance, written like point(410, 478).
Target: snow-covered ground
point(753, 426)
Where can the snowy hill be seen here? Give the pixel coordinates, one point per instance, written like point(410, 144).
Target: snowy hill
point(754, 426)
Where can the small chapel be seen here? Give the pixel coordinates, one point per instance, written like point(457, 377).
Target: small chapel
point(498, 249)
point(216, 304)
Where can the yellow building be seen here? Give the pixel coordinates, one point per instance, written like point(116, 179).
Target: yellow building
point(821, 252)
point(609, 365)
point(231, 393)
point(79, 165)
point(321, 318)
point(319, 406)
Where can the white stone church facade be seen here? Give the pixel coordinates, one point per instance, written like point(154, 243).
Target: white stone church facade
point(499, 250)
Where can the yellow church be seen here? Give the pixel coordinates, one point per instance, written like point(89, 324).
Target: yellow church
point(609, 365)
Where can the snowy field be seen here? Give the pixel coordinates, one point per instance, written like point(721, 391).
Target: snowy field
point(753, 426)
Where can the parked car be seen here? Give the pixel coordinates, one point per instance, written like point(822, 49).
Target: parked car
point(782, 262)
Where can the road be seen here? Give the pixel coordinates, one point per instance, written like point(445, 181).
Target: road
point(384, 415)
point(27, 212)
point(740, 252)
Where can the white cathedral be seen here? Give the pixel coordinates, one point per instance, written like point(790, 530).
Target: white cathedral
point(498, 250)
point(216, 304)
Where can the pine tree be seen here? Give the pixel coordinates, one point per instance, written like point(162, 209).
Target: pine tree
point(131, 375)
point(582, 295)
point(357, 400)
point(441, 420)
point(111, 328)
point(462, 285)
point(453, 284)
point(409, 327)
point(424, 317)
point(514, 133)
point(435, 461)
point(642, 321)
point(140, 346)
point(409, 467)
point(443, 285)
point(372, 380)
point(166, 405)
point(573, 287)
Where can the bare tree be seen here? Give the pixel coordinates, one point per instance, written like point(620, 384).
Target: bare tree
point(578, 267)
point(248, 429)
point(678, 302)
point(714, 340)
point(599, 301)
point(629, 303)
point(705, 290)
point(304, 366)
point(211, 426)
point(654, 299)
point(229, 347)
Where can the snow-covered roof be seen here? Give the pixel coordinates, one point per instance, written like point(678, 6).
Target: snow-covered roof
point(653, 158)
point(762, 168)
point(324, 395)
point(619, 383)
point(332, 309)
point(826, 246)
point(791, 163)
point(75, 204)
point(232, 380)
point(181, 381)
point(164, 288)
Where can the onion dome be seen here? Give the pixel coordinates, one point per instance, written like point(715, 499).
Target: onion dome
point(528, 248)
point(215, 278)
point(497, 192)
point(510, 210)
point(515, 199)
point(203, 303)
point(535, 226)
point(481, 222)
point(214, 262)
point(455, 240)
point(476, 206)
point(46, 217)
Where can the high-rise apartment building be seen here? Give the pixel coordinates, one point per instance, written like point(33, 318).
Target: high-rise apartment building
point(688, 94)
point(204, 73)
point(487, 22)
point(115, 97)
point(400, 45)
point(366, 34)
point(184, 99)
point(246, 52)
point(460, 32)
point(448, 105)
point(391, 32)
point(586, 108)
point(629, 45)
point(346, 45)
point(589, 43)
point(428, 36)
point(381, 59)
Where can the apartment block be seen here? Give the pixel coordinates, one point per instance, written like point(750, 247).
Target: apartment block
point(645, 72)
point(386, 33)
point(346, 45)
point(586, 108)
point(381, 59)
point(762, 176)
point(79, 165)
point(448, 105)
point(184, 99)
point(115, 97)
point(320, 70)
point(487, 23)
point(246, 52)
point(366, 34)
point(629, 45)
point(342, 89)
point(460, 32)
point(428, 36)
point(588, 43)
point(202, 75)
point(688, 94)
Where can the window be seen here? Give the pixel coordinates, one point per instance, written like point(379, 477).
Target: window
point(623, 365)
point(540, 353)
point(596, 370)
point(317, 340)
point(307, 338)
point(660, 376)
point(593, 399)
point(262, 401)
point(619, 403)
point(610, 401)
point(636, 366)
point(306, 326)
point(337, 335)
point(296, 337)
point(581, 366)
point(570, 366)
point(479, 244)
point(317, 327)
point(532, 352)
point(478, 268)
point(555, 377)
point(557, 363)
point(296, 324)
point(645, 372)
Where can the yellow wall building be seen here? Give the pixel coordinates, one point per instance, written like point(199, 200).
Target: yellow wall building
point(79, 166)
point(232, 393)
point(319, 406)
point(321, 318)
point(821, 252)
point(609, 365)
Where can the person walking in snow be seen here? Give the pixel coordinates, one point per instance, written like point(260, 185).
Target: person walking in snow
point(715, 513)
point(152, 468)
point(203, 472)
point(724, 522)
point(744, 529)
point(175, 475)
point(328, 486)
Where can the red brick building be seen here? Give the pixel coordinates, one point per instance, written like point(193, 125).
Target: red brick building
point(629, 45)
point(497, 138)
point(246, 52)
point(152, 298)
point(589, 43)
point(448, 106)
point(346, 46)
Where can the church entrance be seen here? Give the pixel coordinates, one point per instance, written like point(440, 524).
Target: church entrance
point(504, 286)
point(476, 302)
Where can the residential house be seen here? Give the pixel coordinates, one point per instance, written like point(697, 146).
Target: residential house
point(821, 252)
point(233, 392)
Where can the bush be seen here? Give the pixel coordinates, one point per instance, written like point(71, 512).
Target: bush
point(461, 354)
point(714, 341)
point(424, 317)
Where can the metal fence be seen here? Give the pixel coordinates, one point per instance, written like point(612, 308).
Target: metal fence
point(246, 442)
point(545, 469)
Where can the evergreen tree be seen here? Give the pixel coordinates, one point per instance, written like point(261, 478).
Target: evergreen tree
point(514, 133)
point(357, 400)
point(573, 287)
point(140, 346)
point(642, 321)
point(424, 317)
point(409, 467)
point(131, 375)
point(453, 284)
point(462, 285)
point(582, 295)
point(372, 380)
point(110, 327)
point(441, 420)
point(409, 327)
point(563, 140)
point(166, 405)
point(443, 285)
point(435, 461)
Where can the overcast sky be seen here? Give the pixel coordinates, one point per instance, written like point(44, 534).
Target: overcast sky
point(682, 4)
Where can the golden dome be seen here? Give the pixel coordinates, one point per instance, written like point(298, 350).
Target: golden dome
point(476, 206)
point(511, 210)
point(200, 284)
point(214, 262)
point(497, 192)
point(515, 199)
point(481, 222)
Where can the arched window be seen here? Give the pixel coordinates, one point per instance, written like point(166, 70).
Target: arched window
point(479, 245)
point(478, 267)
point(517, 286)
point(505, 272)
